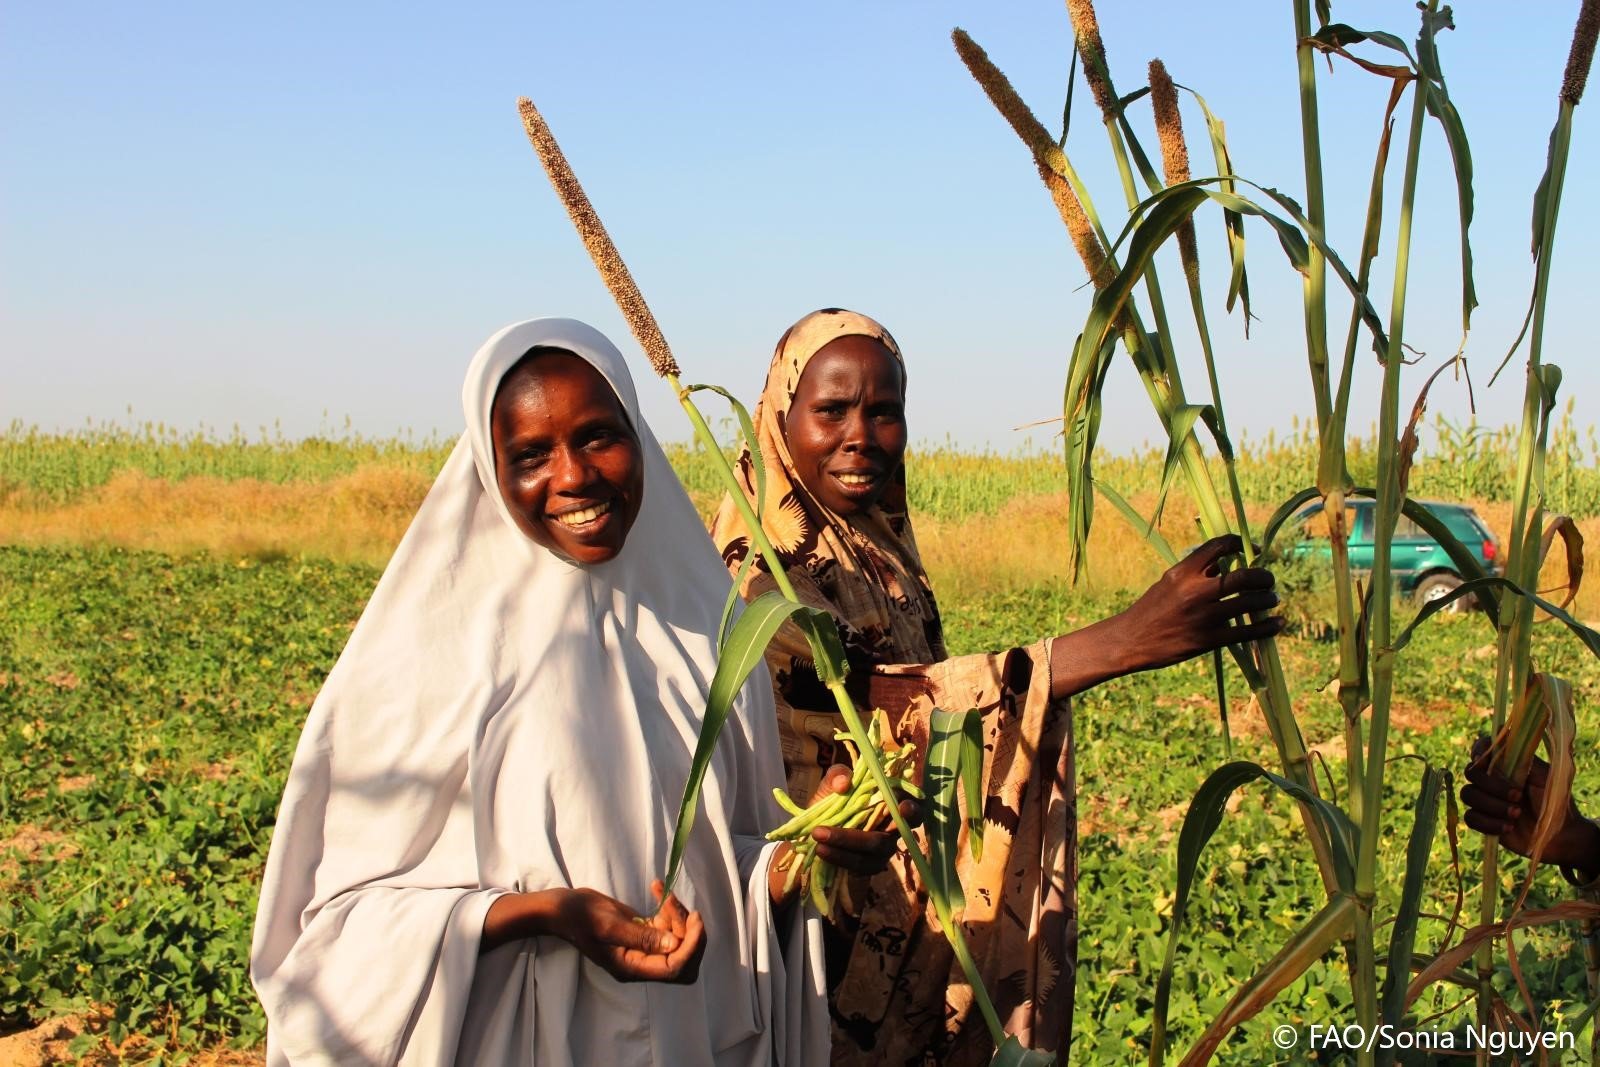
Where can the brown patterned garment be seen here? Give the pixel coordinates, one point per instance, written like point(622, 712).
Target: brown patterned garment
point(897, 995)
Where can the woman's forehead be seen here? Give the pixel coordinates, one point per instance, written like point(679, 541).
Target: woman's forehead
point(525, 387)
point(845, 359)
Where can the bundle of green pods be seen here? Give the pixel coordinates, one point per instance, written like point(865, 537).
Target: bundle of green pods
point(861, 807)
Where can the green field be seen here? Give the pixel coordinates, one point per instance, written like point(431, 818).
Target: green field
point(150, 706)
point(150, 701)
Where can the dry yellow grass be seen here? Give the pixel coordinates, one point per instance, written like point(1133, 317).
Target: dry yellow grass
point(357, 518)
point(361, 517)
point(1553, 578)
point(1024, 546)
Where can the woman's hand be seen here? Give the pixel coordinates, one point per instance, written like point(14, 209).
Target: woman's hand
point(854, 851)
point(1500, 809)
point(1193, 608)
point(664, 948)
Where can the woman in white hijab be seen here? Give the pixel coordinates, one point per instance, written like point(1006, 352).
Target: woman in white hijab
point(486, 786)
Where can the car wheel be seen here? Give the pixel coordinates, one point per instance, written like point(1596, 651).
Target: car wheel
point(1437, 586)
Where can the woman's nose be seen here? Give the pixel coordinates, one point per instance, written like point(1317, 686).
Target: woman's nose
point(858, 435)
point(571, 471)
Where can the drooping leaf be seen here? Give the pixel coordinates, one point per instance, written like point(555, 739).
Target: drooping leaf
point(1086, 376)
point(1199, 823)
point(747, 431)
point(1461, 557)
point(1409, 439)
point(1332, 922)
point(1147, 530)
point(1477, 586)
point(1233, 222)
point(1441, 108)
point(827, 650)
point(1430, 81)
point(739, 654)
point(1446, 962)
point(1284, 512)
point(1572, 540)
point(1179, 427)
point(1155, 220)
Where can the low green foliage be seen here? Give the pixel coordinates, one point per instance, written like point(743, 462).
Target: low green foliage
point(149, 707)
point(148, 710)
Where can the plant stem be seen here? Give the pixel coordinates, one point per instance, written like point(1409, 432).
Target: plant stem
point(1333, 478)
point(1522, 563)
point(1315, 288)
point(1387, 513)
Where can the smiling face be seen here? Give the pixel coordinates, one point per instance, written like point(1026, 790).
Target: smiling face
point(566, 459)
point(847, 427)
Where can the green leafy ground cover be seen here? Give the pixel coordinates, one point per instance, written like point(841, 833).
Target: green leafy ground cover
point(149, 707)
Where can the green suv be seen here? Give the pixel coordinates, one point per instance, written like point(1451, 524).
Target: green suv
point(1422, 568)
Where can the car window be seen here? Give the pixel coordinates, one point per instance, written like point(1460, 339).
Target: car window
point(1361, 523)
point(1407, 530)
point(1465, 525)
point(1314, 523)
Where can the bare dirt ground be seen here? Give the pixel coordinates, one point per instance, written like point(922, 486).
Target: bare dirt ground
point(51, 1043)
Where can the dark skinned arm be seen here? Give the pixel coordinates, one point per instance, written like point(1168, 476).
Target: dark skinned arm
point(1193, 608)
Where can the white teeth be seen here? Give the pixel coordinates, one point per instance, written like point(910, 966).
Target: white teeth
point(578, 518)
point(856, 479)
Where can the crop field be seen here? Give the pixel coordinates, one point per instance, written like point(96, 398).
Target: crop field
point(171, 608)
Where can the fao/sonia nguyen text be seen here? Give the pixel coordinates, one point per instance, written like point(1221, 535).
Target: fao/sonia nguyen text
point(1467, 1039)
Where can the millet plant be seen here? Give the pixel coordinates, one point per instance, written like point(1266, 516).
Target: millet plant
point(1387, 968)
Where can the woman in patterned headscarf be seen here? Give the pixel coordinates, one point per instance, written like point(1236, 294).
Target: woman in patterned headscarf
point(832, 430)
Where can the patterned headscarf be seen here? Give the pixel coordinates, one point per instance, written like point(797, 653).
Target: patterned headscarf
point(866, 565)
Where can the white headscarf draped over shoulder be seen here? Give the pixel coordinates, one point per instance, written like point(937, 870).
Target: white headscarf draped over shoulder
point(503, 720)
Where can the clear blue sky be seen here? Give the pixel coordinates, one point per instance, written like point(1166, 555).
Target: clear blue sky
point(218, 214)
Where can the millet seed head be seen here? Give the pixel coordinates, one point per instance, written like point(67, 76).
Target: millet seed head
point(1582, 54)
point(1174, 155)
point(1001, 93)
point(1047, 155)
point(601, 249)
point(1086, 28)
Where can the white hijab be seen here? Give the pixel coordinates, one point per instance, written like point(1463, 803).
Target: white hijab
point(505, 720)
